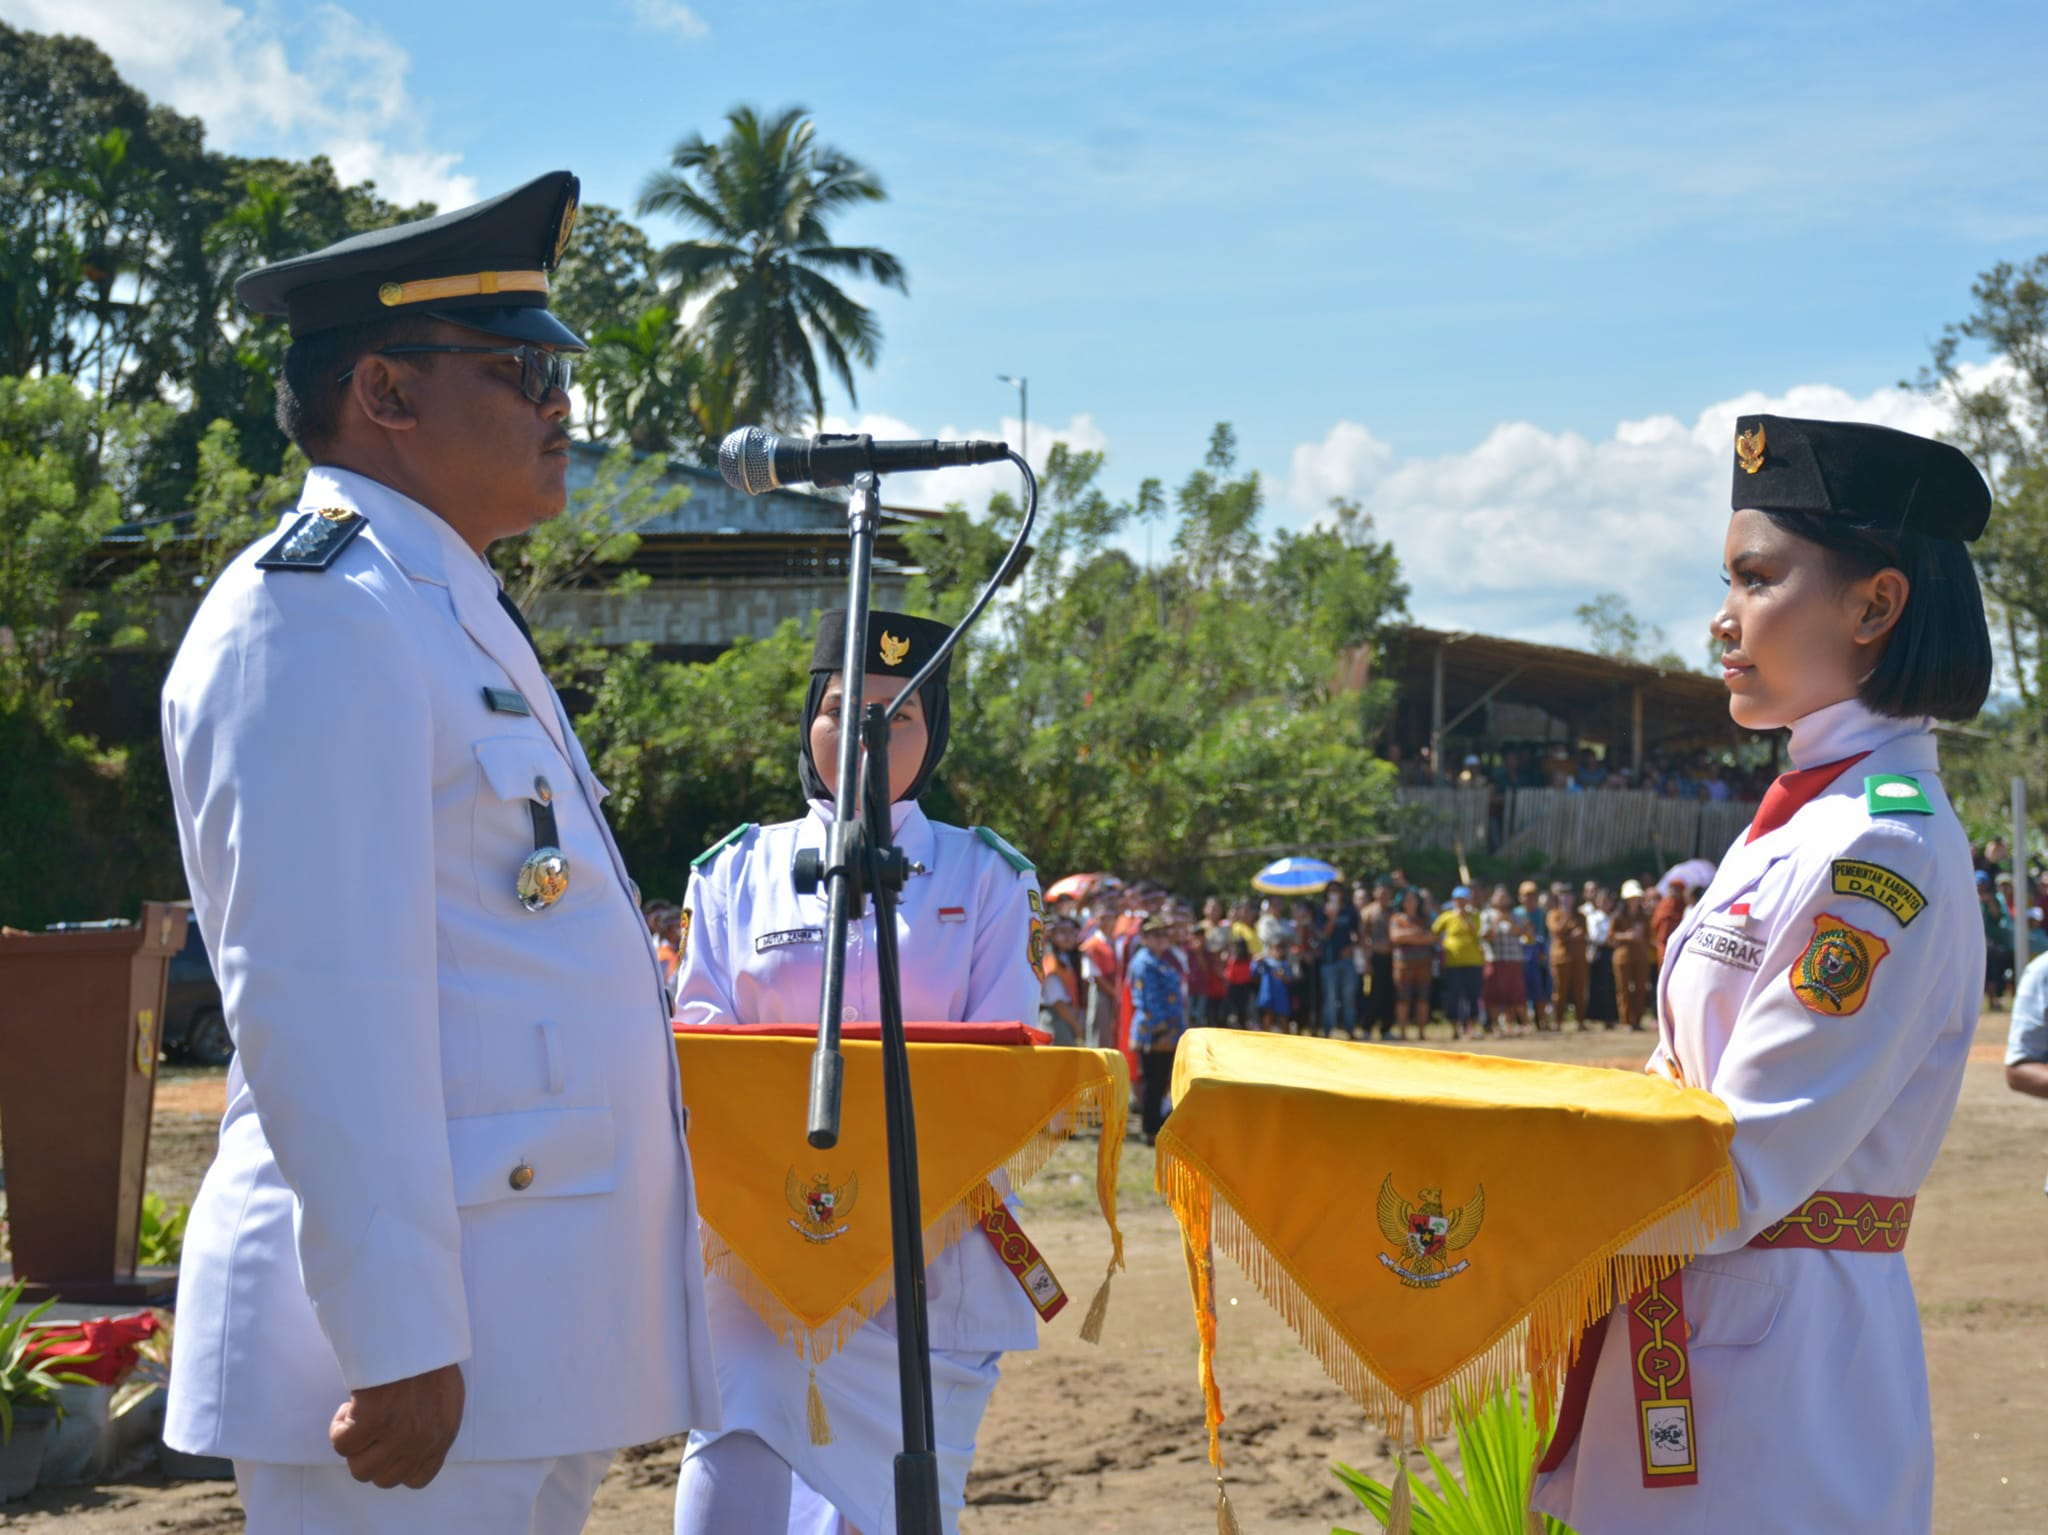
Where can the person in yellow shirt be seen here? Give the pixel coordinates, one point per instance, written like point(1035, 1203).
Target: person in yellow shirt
point(1464, 959)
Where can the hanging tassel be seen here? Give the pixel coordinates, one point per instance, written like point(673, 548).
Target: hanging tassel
point(1226, 1519)
point(814, 1413)
point(1098, 1309)
point(1400, 1508)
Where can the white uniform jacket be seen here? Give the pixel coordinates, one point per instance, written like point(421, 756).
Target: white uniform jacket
point(963, 930)
point(1808, 1380)
point(454, 1126)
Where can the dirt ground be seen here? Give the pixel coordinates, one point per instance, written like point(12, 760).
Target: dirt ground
point(1109, 1438)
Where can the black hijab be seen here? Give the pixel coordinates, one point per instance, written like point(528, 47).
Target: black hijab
point(898, 646)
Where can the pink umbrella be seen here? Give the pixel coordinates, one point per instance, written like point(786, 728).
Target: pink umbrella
point(1078, 887)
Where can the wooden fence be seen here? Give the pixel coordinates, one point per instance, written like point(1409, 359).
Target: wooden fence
point(1570, 829)
point(1446, 818)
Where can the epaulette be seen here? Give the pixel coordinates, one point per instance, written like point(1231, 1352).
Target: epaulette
point(315, 540)
point(1889, 794)
point(1010, 855)
point(722, 844)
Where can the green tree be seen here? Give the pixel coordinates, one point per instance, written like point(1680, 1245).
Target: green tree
point(643, 377)
point(81, 822)
point(1613, 629)
point(1175, 721)
point(2001, 419)
point(765, 196)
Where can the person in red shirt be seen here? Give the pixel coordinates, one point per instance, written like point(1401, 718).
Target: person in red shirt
point(1241, 987)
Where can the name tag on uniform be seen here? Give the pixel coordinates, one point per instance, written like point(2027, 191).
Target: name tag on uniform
point(506, 701)
point(952, 913)
point(1727, 944)
point(787, 938)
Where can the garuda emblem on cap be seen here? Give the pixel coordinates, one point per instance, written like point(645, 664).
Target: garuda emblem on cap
point(567, 227)
point(1749, 449)
point(893, 649)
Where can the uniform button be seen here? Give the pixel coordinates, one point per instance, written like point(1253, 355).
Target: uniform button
point(522, 1177)
point(849, 1012)
point(543, 791)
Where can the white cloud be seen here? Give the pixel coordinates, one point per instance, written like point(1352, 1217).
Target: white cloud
point(668, 16)
point(971, 486)
point(1512, 534)
point(331, 84)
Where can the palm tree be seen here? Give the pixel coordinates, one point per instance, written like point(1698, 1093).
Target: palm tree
point(763, 195)
point(642, 376)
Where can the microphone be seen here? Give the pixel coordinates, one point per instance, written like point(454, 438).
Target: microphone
point(755, 461)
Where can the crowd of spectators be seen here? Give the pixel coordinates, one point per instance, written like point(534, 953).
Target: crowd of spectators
point(1133, 968)
point(1996, 904)
point(1695, 775)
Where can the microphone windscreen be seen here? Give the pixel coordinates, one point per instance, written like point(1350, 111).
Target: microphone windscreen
point(745, 460)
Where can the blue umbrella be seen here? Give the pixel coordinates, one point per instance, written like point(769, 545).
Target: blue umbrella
point(1295, 876)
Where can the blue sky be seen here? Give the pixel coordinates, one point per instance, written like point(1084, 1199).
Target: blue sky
point(1503, 273)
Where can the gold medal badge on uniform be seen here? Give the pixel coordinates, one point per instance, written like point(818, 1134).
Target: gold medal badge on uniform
point(544, 876)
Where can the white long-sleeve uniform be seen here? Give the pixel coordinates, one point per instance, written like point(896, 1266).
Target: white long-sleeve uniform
point(353, 812)
point(756, 955)
point(1808, 1380)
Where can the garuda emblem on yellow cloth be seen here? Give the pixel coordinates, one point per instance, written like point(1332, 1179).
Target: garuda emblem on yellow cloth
point(893, 649)
point(821, 1210)
point(1425, 1233)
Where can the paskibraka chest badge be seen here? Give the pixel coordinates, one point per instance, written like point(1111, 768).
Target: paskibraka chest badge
point(1424, 1234)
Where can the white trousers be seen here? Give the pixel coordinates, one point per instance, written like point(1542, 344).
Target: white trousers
point(762, 1476)
point(492, 1497)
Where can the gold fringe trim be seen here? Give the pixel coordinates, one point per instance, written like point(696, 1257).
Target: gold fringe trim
point(1100, 1105)
point(1540, 1341)
point(814, 1413)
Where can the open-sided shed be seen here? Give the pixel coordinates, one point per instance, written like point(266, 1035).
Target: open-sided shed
point(1463, 689)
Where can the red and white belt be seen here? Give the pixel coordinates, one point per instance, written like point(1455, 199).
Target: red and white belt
point(1661, 1364)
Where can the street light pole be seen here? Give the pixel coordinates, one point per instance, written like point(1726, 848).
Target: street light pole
point(1023, 388)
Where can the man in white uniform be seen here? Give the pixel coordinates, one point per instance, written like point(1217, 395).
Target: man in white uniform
point(446, 1260)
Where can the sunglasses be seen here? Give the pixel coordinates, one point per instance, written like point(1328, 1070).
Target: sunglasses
point(541, 372)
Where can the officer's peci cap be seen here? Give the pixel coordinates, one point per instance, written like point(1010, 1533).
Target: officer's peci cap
point(898, 644)
point(1869, 476)
point(485, 267)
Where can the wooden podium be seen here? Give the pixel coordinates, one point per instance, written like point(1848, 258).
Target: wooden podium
point(81, 1013)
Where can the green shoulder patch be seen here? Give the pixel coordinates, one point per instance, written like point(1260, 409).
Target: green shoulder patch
point(1010, 855)
point(314, 541)
point(1889, 794)
point(1874, 882)
point(722, 844)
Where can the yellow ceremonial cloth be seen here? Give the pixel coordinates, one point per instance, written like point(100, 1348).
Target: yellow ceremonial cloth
point(1431, 1224)
point(804, 1234)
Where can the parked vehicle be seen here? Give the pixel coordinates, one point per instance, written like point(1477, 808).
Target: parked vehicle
point(195, 1029)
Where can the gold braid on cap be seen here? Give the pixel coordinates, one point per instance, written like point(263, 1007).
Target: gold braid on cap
point(429, 289)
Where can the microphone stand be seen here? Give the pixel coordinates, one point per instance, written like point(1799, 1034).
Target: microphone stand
point(861, 861)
